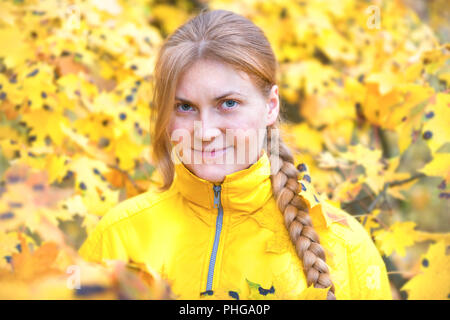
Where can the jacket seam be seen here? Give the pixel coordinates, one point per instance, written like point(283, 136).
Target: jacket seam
point(354, 286)
point(97, 242)
point(137, 212)
point(351, 272)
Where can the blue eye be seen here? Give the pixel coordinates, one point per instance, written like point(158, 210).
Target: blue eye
point(230, 106)
point(226, 105)
point(183, 107)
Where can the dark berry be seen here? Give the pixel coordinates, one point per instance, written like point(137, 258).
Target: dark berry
point(207, 292)
point(6, 215)
point(87, 290)
point(38, 187)
point(264, 292)
point(129, 98)
point(429, 115)
point(427, 135)
point(15, 204)
point(303, 186)
point(444, 195)
point(33, 73)
point(315, 198)
point(233, 294)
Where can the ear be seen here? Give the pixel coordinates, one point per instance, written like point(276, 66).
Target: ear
point(273, 105)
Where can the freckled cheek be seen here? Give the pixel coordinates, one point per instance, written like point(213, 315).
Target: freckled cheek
point(249, 131)
point(179, 130)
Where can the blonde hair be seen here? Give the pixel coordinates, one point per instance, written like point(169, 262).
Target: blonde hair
point(232, 39)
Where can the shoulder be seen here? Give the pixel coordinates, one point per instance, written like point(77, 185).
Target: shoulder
point(367, 271)
point(330, 219)
point(347, 232)
point(105, 239)
point(344, 225)
point(147, 202)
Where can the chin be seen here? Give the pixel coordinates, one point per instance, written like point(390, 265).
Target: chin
point(214, 172)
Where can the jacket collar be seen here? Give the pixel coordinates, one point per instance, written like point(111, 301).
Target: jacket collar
point(245, 190)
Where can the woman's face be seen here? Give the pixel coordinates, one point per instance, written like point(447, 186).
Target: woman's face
point(219, 108)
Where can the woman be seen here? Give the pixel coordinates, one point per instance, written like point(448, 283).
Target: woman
point(234, 215)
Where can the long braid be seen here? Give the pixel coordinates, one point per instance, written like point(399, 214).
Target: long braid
point(286, 188)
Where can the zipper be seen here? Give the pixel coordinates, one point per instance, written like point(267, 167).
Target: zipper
point(212, 260)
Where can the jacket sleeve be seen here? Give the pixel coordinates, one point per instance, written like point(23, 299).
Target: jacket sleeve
point(92, 248)
point(103, 244)
point(369, 278)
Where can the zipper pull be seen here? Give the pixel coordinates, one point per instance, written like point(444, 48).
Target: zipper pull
point(216, 195)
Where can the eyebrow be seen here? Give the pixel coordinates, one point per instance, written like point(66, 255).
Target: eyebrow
point(229, 93)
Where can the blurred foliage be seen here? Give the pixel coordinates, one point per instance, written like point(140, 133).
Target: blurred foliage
point(365, 98)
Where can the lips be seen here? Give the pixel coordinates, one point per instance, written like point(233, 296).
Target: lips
point(212, 153)
point(211, 150)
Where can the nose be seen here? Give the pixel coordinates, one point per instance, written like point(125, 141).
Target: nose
point(206, 129)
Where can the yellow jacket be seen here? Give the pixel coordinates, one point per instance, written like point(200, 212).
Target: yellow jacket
point(237, 246)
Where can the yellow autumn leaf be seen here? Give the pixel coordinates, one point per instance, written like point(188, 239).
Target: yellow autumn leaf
point(312, 293)
point(349, 189)
point(435, 265)
point(410, 97)
point(127, 152)
point(434, 59)
point(303, 137)
point(438, 167)
point(259, 293)
point(370, 160)
point(46, 124)
point(8, 245)
point(97, 194)
point(436, 131)
point(370, 221)
point(397, 238)
point(13, 49)
point(57, 167)
point(386, 81)
point(339, 133)
point(434, 236)
point(162, 12)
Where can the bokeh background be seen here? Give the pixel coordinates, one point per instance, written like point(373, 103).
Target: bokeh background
point(364, 87)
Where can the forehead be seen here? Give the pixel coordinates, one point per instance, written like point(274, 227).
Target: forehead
point(211, 78)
